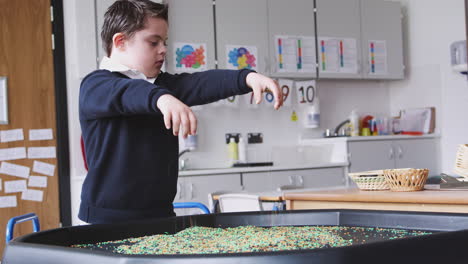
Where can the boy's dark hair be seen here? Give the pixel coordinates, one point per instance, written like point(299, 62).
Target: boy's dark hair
point(128, 16)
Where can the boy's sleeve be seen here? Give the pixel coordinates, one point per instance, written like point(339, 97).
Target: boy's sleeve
point(208, 86)
point(105, 95)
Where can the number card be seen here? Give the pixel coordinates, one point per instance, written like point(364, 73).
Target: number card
point(250, 100)
point(305, 92)
point(268, 100)
point(286, 87)
point(232, 101)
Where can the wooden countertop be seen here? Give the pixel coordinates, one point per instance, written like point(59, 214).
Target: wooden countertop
point(355, 195)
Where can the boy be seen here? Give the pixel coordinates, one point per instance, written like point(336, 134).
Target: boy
point(127, 111)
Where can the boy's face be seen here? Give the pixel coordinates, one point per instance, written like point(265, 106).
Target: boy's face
point(146, 50)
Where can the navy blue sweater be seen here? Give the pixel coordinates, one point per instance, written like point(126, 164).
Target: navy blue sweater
point(132, 157)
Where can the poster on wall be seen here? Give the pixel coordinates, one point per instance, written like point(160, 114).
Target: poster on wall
point(190, 57)
point(377, 57)
point(338, 55)
point(329, 55)
point(295, 54)
point(241, 57)
point(306, 61)
point(286, 53)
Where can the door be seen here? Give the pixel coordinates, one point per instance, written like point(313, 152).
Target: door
point(239, 27)
point(417, 153)
point(382, 28)
point(191, 25)
point(339, 39)
point(371, 155)
point(289, 20)
point(26, 59)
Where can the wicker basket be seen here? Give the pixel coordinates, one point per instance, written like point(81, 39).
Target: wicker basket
point(406, 180)
point(461, 161)
point(369, 180)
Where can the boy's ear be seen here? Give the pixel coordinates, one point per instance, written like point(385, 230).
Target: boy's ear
point(118, 41)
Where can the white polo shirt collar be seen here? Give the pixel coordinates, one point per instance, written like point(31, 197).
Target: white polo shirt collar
point(113, 66)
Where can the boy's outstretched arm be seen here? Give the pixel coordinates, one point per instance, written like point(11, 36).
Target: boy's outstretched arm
point(212, 85)
point(103, 95)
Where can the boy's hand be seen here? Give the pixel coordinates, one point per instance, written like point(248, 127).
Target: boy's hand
point(260, 83)
point(180, 114)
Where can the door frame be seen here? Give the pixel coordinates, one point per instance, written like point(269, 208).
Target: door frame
point(61, 113)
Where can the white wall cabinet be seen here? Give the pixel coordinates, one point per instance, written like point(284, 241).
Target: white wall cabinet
point(382, 21)
point(366, 21)
point(389, 154)
point(340, 20)
point(289, 18)
point(191, 21)
point(243, 27)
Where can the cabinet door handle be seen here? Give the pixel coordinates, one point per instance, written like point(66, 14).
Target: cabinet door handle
point(191, 191)
point(291, 180)
point(392, 154)
point(179, 187)
point(400, 152)
point(301, 181)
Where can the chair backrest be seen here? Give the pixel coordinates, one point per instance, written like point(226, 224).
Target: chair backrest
point(213, 204)
point(239, 202)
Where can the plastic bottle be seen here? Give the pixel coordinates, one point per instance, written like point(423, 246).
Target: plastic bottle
point(312, 115)
point(242, 151)
point(354, 123)
point(233, 151)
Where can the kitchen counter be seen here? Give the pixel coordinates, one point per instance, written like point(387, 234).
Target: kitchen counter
point(424, 201)
point(233, 170)
point(392, 137)
point(308, 141)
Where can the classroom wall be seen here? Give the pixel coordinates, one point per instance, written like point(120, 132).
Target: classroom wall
point(430, 27)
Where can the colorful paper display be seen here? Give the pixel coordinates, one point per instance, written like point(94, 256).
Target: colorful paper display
point(241, 57)
point(190, 57)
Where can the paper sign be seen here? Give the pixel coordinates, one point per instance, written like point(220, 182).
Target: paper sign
point(287, 87)
point(306, 54)
point(8, 201)
point(15, 186)
point(190, 57)
point(241, 57)
point(40, 134)
point(13, 153)
point(32, 195)
point(11, 135)
point(37, 181)
point(348, 55)
point(232, 101)
point(305, 92)
point(377, 57)
point(41, 152)
point(44, 168)
point(286, 53)
point(250, 100)
point(14, 170)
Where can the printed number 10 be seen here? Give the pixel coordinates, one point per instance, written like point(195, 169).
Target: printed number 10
point(307, 95)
